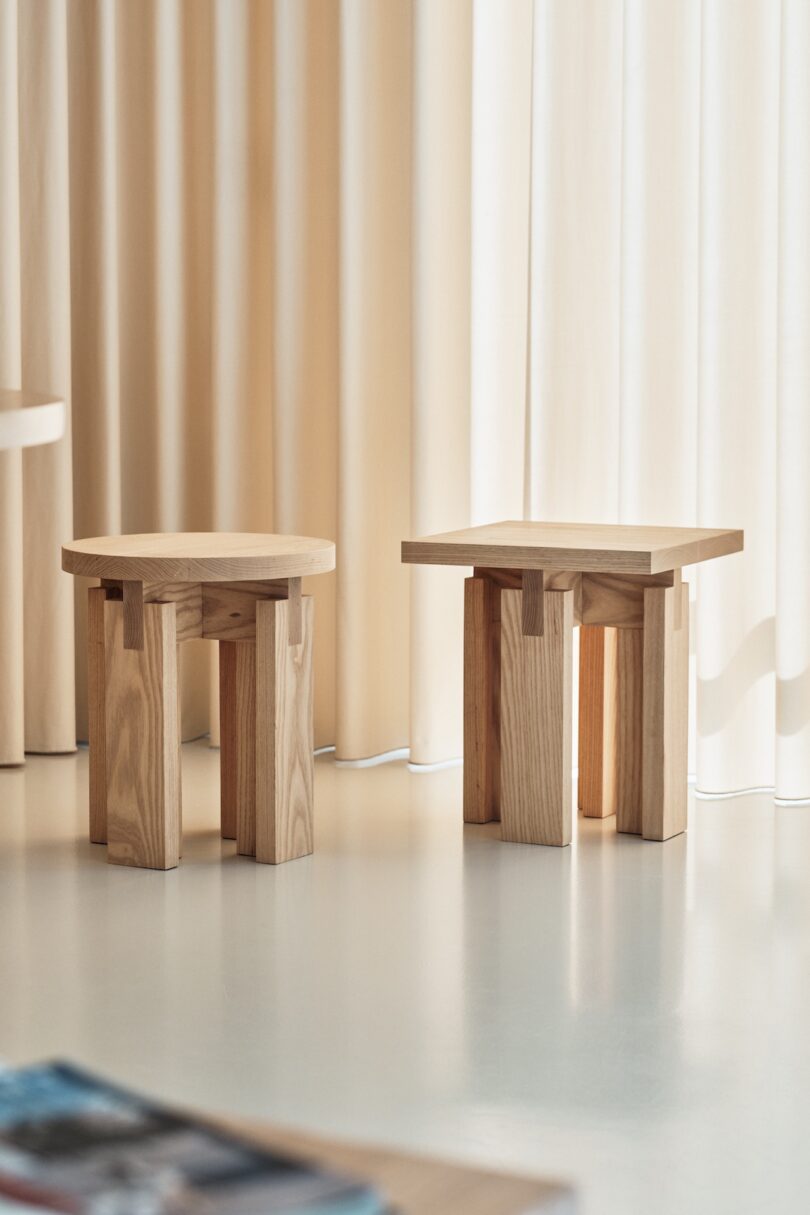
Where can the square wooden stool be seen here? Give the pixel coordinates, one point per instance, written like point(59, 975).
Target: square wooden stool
point(244, 591)
point(532, 582)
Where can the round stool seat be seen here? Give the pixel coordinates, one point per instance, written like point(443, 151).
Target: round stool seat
point(29, 419)
point(198, 557)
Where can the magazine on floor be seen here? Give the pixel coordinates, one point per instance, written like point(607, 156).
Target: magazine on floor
point(71, 1142)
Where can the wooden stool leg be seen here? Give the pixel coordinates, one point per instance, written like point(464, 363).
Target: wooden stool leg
point(237, 756)
point(143, 779)
point(610, 726)
point(666, 706)
point(96, 725)
point(481, 700)
point(536, 707)
point(629, 726)
point(284, 733)
point(597, 721)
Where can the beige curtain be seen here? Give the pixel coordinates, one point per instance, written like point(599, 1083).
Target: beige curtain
point(372, 268)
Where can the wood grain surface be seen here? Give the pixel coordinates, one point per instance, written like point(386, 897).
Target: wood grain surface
point(665, 713)
point(597, 721)
point(237, 746)
point(284, 741)
point(96, 713)
point(610, 711)
point(187, 600)
point(198, 556)
point(602, 548)
point(533, 586)
point(132, 595)
point(628, 695)
point(142, 731)
point(536, 708)
point(229, 608)
point(617, 600)
point(482, 692)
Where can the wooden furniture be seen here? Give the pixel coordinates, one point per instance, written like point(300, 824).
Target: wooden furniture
point(420, 1185)
point(532, 583)
point(244, 591)
point(29, 419)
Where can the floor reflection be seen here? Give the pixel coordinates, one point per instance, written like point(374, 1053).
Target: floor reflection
point(627, 1014)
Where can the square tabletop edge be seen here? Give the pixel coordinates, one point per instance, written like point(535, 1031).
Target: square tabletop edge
point(618, 548)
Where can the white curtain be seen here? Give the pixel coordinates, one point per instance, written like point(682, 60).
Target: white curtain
point(662, 278)
point(383, 267)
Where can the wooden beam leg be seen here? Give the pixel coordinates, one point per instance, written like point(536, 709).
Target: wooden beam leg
point(180, 742)
point(132, 592)
point(294, 613)
point(143, 783)
point(96, 724)
point(284, 733)
point(597, 724)
point(237, 757)
point(629, 727)
point(533, 590)
point(481, 700)
point(610, 707)
point(536, 707)
point(666, 684)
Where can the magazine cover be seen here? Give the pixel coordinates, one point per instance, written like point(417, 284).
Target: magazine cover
point(70, 1142)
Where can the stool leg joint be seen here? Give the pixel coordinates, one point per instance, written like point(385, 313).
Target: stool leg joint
point(133, 614)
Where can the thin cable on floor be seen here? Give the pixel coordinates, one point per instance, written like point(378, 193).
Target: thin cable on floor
point(387, 757)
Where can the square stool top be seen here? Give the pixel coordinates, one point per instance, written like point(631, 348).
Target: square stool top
point(592, 547)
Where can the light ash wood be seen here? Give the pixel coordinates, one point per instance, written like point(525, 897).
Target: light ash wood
point(611, 600)
point(600, 548)
point(536, 707)
point(237, 734)
point(284, 743)
point(151, 597)
point(677, 581)
point(633, 673)
point(596, 792)
point(627, 749)
point(296, 628)
point(198, 557)
point(617, 600)
point(96, 713)
point(513, 579)
point(481, 700)
point(229, 608)
point(142, 731)
point(187, 600)
point(30, 419)
point(533, 586)
point(132, 594)
point(422, 1185)
point(610, 707)
point(665, 711)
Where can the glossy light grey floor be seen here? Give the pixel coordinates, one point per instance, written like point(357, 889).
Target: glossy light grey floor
point(632, 1016)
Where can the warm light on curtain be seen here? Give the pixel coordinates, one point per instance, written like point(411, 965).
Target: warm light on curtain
point(367, 270)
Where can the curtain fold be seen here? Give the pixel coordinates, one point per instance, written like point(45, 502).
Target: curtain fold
point(440, 415)
point(371, 270)
point(12, 668)
point(374, 425)
point(792, 548)
point(37, 516)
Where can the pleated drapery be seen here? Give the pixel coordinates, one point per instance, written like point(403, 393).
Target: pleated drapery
point(368, 270)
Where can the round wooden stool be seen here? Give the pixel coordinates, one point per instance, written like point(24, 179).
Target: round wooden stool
point(244, 591)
